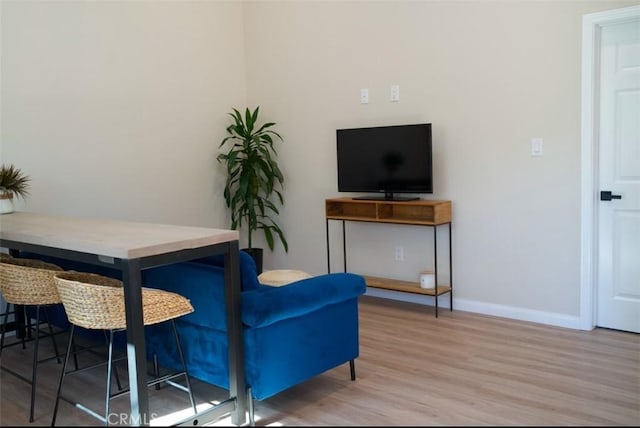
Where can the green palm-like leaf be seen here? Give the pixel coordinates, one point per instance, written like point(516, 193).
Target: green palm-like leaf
point(254, 181)
point(13, 181)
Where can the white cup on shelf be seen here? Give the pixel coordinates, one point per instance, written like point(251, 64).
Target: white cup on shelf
point(427, 279)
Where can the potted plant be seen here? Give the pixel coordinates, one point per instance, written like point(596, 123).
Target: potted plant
point(12, 183)
point(254, 181)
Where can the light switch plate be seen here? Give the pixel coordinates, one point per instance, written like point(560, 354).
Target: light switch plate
point(364, 96)
point(536, 147)
point(395, 93)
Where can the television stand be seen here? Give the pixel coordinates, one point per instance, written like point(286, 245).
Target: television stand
point(430, 213)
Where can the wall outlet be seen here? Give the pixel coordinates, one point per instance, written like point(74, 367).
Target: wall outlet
point(399, 254)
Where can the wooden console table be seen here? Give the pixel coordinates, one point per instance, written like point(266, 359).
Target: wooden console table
point(132, 247)
point(432, 213)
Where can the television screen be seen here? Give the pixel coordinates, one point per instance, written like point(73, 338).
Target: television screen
point(385, 159)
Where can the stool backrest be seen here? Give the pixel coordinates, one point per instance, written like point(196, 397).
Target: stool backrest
point(92, 301)
point(28, 281)
point(97, 302)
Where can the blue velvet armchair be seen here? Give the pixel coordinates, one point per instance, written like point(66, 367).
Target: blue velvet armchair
point(291, 333)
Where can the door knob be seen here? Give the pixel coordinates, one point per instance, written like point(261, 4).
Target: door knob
point(606, 195)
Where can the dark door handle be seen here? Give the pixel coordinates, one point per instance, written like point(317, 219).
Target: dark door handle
point(606, 195)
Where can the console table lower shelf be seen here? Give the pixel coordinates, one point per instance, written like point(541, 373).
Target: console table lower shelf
point(408, 287)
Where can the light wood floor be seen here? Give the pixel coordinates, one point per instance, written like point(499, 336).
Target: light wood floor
point(414, 369)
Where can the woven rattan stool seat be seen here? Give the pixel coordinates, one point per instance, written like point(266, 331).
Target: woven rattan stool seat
point(28, 282)
point(97, 302)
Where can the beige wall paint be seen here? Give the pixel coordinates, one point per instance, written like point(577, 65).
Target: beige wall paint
point(489, 76)
point(115, 109)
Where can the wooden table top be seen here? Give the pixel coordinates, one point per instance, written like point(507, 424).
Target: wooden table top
point(111, 238)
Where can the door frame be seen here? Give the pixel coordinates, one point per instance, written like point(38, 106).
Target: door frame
point(591, 27)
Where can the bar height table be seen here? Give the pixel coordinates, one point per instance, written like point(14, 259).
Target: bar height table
point(132, 247)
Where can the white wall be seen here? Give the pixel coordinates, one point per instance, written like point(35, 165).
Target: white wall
point(116, 109)
point(489, 76)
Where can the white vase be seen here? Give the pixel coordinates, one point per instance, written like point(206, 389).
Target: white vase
point(427, 279)
point(6, 203)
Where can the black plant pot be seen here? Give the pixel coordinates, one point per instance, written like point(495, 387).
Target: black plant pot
point(256, 254)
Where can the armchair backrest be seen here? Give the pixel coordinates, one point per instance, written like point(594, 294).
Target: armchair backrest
point(248, 271)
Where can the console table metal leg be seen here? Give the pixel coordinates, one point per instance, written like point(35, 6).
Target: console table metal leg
point(344, 245)
point(435, 266)
point(328, 252)
point(450, 270)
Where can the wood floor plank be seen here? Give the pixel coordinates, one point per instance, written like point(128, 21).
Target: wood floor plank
point(461, 369)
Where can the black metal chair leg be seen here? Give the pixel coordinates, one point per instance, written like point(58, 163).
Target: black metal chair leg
point(29, 331)
point(4, 325)
point(109, 368)
point(64, 369)
point(156, 369)
point(352, 367)
point(75, 356)
point(34, 365)
point(53, 339)
point(184, 366)
point(115, 368)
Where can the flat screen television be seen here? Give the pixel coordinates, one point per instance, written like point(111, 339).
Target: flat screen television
point(385, 160)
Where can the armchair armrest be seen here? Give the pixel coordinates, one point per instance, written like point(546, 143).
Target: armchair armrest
point(268, 305)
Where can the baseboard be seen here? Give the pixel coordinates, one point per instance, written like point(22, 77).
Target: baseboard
point(522, 314)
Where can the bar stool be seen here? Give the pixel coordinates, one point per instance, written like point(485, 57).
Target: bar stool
point(28, 283)
point(96, 302)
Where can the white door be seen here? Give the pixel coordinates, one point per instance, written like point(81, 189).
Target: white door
point(618, 143)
